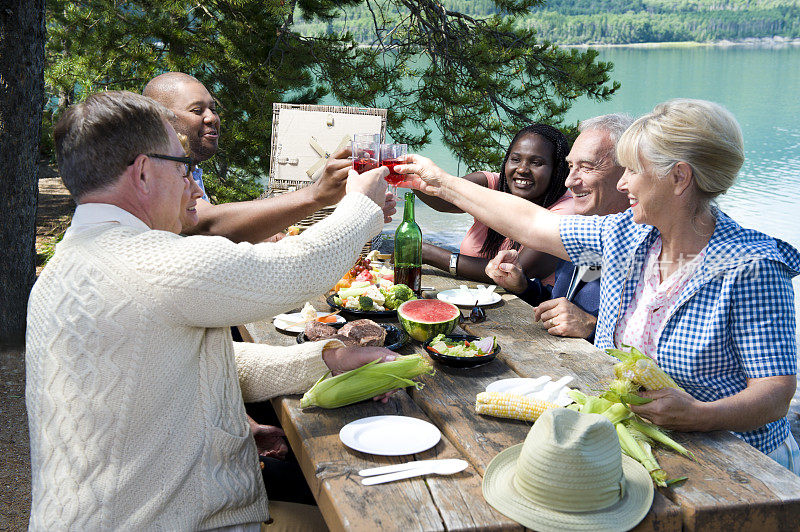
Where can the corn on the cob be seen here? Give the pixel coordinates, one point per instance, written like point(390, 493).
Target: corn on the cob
point(641, 369)
point(616, 412)
point(512, 406)
point(635, 436)
point(647, 373)
point(642, 453)
point(365, 382)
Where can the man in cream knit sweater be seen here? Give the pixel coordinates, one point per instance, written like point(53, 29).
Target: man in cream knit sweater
point(135, 409)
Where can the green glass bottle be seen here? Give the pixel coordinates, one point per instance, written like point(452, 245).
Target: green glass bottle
point(408, 249)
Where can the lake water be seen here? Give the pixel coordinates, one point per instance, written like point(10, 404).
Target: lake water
point(759, 85)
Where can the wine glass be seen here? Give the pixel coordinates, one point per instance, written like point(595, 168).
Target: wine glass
point(365, 152)
point(392, 155)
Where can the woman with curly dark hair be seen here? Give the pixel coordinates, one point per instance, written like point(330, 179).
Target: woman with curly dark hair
point(534, 168)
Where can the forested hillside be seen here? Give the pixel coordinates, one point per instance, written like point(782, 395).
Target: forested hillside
point(619, 21)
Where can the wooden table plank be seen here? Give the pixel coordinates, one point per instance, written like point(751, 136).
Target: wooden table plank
point(452, 502)
point(481, 438)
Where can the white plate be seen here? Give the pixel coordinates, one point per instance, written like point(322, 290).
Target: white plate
point(467, 298)
point(282, 321)
point(390, 435)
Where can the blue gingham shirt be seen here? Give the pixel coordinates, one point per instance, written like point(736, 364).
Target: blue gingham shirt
point(734, 320)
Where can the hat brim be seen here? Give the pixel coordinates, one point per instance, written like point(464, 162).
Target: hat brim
point(498, 490)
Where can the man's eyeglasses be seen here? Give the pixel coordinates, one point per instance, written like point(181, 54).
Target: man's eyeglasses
point(187, 162)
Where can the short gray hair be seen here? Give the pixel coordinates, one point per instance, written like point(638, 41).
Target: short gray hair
point(700, 133)
point(96, 140)
point(614, 124)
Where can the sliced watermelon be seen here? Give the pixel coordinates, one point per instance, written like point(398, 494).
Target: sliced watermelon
point(423, 319)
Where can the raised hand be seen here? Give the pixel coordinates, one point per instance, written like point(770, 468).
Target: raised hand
point(330, 187)
point(389, 207)
point(371, 183)
point(505, 270)
point(422, 174)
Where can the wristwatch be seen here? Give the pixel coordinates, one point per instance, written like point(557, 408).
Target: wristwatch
point(453, 263)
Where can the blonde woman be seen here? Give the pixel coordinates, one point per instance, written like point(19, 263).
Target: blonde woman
point(710, 301)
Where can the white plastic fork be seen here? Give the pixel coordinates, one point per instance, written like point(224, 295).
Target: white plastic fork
point(438, 467)
point(394, 468)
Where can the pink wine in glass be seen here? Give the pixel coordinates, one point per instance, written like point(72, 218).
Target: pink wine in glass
point(363, 164)
point(393, 178)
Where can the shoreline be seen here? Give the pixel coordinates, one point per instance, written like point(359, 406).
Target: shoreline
point(775, 42)
point(752, 42)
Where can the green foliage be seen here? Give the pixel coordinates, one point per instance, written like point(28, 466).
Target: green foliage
point(620, 21)
point(478, 79)
point(667, 26)
point(47, 249)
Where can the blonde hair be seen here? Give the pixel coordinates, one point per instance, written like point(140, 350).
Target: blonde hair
point(702, 134)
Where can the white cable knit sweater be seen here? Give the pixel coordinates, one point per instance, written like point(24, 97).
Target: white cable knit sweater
point(136, 416)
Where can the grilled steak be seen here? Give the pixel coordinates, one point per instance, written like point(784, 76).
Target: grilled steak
point(346, 340)
point(366, 332)
point(317, 331)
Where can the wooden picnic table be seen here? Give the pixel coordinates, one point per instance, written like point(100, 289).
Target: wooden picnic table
point(731, 485)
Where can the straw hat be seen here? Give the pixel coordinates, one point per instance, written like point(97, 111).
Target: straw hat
point(569, 474)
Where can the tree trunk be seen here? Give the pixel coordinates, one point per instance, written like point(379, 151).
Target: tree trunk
point(22, 38)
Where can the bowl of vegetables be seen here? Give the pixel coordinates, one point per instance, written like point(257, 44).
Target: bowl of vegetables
point(370, 300)
point(462, 350)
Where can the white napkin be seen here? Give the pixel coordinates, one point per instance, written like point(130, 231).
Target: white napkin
point(542, 388)
point(485, 293)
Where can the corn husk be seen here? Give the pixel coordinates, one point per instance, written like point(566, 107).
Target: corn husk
point(366, 382)
point(635, 435)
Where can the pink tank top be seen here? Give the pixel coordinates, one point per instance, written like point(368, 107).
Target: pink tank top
point(476, 236)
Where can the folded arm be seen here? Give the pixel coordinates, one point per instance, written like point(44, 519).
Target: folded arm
point(267, 371)
point(762, 336)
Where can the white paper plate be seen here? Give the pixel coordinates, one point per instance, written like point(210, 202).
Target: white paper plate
point(282, 321)
point(390, 435)
point(467, 298)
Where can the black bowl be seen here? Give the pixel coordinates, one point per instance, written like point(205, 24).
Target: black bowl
point(395, 337)
point(461, 362)
point(360, 313)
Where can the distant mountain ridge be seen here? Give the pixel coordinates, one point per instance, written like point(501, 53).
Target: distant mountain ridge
point(620, 21)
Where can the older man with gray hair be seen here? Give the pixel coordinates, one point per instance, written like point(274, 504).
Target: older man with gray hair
point(134, 387)
point(570, 307)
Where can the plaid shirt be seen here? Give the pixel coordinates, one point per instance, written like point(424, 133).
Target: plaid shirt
point(734, 320)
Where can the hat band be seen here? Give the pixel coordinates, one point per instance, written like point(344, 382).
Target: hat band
point(589, 500)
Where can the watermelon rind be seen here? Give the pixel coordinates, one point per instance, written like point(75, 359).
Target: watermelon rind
point(424, 331)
